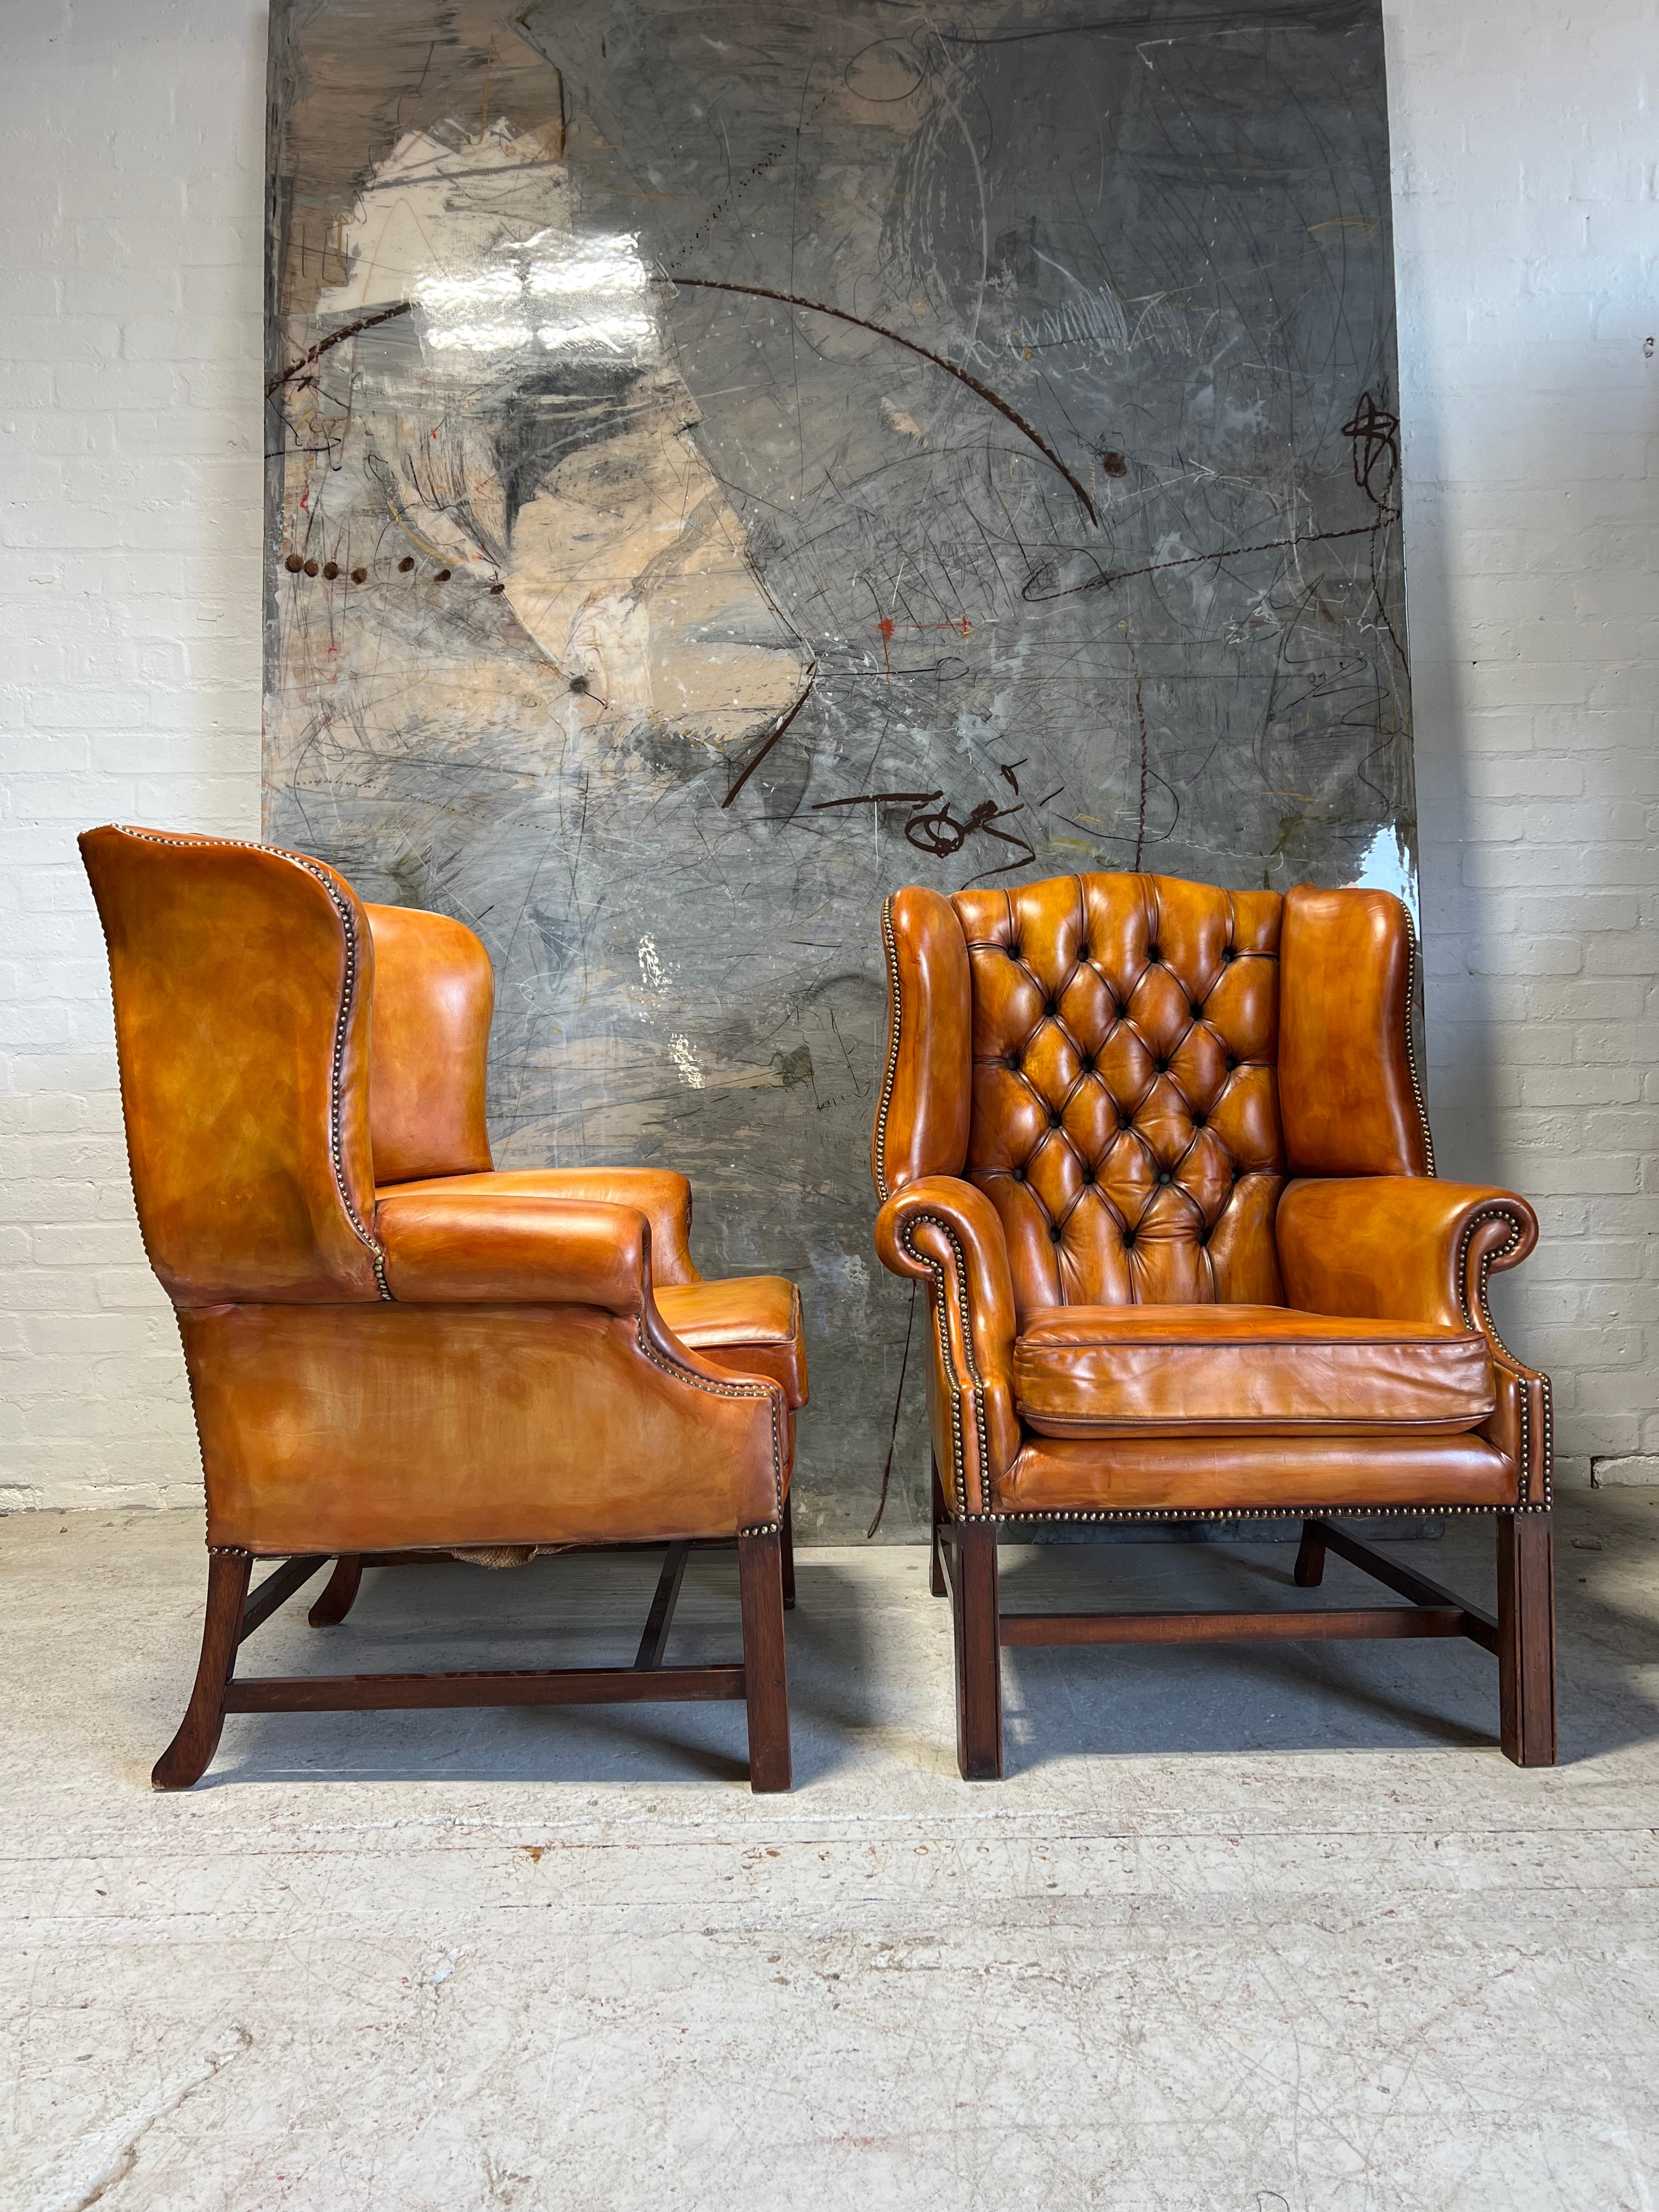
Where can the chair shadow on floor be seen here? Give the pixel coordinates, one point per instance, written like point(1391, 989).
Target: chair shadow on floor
point(1104, 1700)
point(870, 1669)
point(563, 1610)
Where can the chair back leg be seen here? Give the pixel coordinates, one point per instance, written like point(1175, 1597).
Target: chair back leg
point(186, 1757)
point(1310, 1570)
point(936, 1578)
point(765, 1681)
point(1526, 1637)
point(975, 1607)
point(340, 1594)
point(787, 1547)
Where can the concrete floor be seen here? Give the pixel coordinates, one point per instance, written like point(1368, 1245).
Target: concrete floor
point(1276, 1929)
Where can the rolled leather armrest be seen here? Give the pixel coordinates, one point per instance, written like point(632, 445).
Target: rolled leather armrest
point(464, 1247)
point(944, 1232)
point(1411, 1248)
point(1400, 1248)
point(663, 1196)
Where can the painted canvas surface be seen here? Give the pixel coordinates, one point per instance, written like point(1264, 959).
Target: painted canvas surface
point(725, 463)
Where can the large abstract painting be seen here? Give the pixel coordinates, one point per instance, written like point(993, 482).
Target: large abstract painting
point(725, 462)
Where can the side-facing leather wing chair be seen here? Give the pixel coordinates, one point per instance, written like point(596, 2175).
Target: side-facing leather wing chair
point(394, 1350)
point(1159, 1154)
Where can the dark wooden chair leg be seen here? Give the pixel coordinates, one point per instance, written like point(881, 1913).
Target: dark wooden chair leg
point(941, 1588)
point(787, 1548)
point(765, 1681)
point(1526, 1637)
point(1310, 1570)
point(974, 1610)
point(340, 1594)
point(186, 1759)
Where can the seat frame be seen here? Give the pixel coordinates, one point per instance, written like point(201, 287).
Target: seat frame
point(766, 1579)
point(1521, 1637)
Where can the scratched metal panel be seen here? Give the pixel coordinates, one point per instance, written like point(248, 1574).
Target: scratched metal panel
point(723, 465)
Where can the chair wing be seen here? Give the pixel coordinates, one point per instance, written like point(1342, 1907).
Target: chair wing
point(243, 977)
point(434, 993)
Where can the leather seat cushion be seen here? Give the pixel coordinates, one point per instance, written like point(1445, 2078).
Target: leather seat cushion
point(1150, 1370)
point(749, 1324)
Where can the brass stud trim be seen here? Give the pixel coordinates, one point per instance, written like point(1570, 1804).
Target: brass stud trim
point(894, 1018)
point(1411, 1036)
point(974, 1384)
point(732, 1390)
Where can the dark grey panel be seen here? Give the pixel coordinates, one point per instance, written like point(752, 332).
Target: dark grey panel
point(1075, 526)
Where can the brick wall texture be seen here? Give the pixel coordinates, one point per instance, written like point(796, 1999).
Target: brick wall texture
point(130, 172)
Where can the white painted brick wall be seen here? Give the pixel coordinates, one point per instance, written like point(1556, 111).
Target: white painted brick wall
point(130, 177)
point(1527, 242)
point(131, 182)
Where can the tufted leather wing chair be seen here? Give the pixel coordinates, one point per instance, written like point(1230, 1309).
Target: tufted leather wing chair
point(1159, 1154)
point(396, 1353)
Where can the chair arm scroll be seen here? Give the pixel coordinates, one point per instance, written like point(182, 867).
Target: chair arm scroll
point(944, 1232)
point(1411, 1248)
point(1401, 1247)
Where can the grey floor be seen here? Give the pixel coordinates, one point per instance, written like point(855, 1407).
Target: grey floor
point(1267, 1927)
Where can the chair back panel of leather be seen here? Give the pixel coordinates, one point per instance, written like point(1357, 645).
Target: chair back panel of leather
point(1346, 1085)
point(921, 1121)
point(243, 978)
point(1125, 1119)
point(434, 993)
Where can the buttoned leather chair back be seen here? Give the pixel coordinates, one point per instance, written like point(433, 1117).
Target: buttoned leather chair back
point(1129, 1067)
point(1158, 1154)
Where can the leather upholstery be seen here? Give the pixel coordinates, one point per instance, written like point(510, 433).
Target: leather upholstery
point(1124, 1117)
point(464, 1249)
point(1147, 1062)
point(1164, 1477)
point(921, 1121)
point(662, 1196)
point(1415, 1249)
point(1347, 1089)
point(435, 992)
point(346, 1429)
point(1208, 1371)
point(946, 1233)
point(243, 978)
point(1411, 1248)
point(457, 1358)
point(749, 1324)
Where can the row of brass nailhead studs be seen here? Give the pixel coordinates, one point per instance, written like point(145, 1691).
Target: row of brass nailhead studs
point(895, 1020)
point(1246, 1513)
point(732, 1389)
point(1490, 1326)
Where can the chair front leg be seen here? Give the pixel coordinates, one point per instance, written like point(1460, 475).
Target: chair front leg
point(1526, 1637)
point(974, 1610)
point(186, 1757)
point(765, 1679)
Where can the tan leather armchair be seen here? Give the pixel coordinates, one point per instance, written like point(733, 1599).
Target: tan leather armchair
point(395, 1351)
point(1159, 1154)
